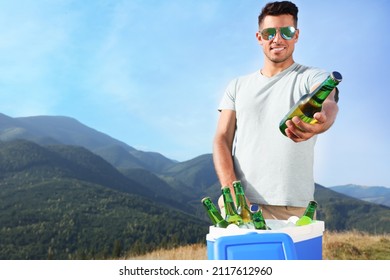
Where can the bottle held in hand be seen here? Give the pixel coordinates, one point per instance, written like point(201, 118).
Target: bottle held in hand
point(311, 103)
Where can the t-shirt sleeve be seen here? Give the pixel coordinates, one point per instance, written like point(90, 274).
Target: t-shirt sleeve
point(228, 101)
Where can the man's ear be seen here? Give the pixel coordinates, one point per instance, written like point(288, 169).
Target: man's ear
point(259, 39)
point(296, 36)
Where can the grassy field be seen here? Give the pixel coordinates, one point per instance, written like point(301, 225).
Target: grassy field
point(336, 246)
point(355, 246)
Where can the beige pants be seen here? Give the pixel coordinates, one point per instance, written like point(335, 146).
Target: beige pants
point(273, 211)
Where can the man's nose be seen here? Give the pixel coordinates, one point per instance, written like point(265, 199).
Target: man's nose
point(278, 37)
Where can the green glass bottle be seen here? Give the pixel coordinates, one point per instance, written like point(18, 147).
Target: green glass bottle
point(308, 216)
point(232, 216)
point(258, 218)
point(311, 103)
point(213, 213)
point(242, 207)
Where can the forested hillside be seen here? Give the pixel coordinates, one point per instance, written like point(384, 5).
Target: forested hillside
point(54, 207)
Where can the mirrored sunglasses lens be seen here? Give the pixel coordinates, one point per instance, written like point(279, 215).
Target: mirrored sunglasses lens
point(287, 32)
point(268, 34)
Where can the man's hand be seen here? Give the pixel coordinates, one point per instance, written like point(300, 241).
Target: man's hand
point(299, 131)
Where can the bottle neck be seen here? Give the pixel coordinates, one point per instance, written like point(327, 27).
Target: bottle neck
point(240, 195)
point(228, 201)
point(230, 209)
point(258, 220)
point(241, 200)
point(310, 210)
point(215, 216)
point(321, 93)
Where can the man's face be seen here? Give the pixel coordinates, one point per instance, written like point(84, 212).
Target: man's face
point(278, 49)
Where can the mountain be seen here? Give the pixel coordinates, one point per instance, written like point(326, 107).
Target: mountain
point(374, 194)
point(64, 202)
point(57, 188)
point(46, 130)
point(54, 130)
point(198, 174)
point(341, 212)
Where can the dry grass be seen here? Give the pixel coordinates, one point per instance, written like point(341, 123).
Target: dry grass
point(336, 246)
point(355, 245)
point(188, 252)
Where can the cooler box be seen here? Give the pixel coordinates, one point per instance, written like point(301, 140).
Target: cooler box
point(283, 242)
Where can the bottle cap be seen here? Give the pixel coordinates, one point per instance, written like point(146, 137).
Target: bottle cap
point(254, 208)
point(336, 76)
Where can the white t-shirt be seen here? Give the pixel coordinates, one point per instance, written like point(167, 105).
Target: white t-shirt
point(273, 169)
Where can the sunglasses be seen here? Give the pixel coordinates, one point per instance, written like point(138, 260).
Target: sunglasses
point(287, 32)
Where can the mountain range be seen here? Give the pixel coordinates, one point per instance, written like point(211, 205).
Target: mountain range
point(375, 194)
point(68, 191)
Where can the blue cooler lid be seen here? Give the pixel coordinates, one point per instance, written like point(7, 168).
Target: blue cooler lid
point(253, 246)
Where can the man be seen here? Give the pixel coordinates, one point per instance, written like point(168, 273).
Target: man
point(276, 171)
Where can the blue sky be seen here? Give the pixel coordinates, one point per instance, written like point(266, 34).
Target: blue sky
point(151, 73)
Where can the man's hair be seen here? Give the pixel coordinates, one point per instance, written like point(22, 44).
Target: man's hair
point(279, 8)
